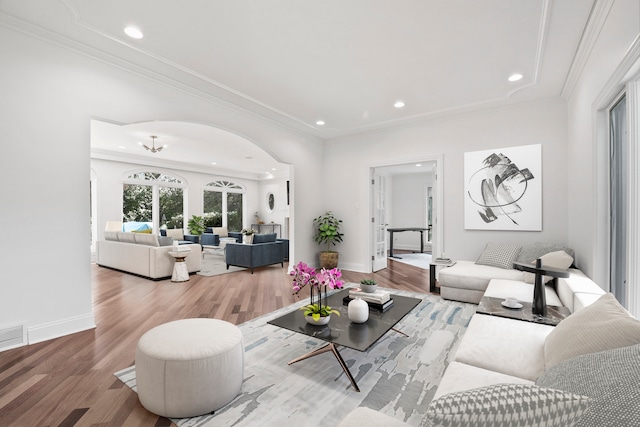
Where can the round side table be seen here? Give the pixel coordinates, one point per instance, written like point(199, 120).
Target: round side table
point(180, 271)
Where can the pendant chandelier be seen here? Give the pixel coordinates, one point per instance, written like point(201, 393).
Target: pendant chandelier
point(153, 148)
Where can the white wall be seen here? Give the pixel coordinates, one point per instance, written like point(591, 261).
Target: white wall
point(409, 208)
point(277, 186)
point(589, 215)
point(348, 160)
point(49, 95)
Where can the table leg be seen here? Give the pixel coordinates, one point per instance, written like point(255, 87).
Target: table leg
point(332, 348)
point(432, 280)
point(391, 246)
point(421, 241)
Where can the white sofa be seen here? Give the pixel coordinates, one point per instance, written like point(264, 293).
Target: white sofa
point(497, 353)
point(142, 254)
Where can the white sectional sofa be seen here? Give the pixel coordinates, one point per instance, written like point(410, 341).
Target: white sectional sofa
point(588, 364)
point(142, 254)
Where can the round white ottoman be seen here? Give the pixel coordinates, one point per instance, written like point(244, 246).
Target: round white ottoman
point(189, 367)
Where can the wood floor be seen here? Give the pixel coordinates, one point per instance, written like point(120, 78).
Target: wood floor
point(69, 381)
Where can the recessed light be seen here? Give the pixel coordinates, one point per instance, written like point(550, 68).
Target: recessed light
point(399, 104)
point(133, 32)
point(273, 169)
point(213, 163)
point(122, 147)
point(515, 77)
point(419, 165)
point(320, 122)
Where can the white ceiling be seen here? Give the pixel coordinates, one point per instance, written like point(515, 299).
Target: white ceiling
point(344, 62)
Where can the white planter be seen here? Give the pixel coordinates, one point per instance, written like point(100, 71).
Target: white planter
point(247, 238)
point(358, 311)
point(322, 321)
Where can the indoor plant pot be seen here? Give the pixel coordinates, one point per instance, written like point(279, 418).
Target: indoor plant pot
point(328, 232)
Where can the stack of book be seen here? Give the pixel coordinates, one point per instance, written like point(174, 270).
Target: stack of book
point(379, 300)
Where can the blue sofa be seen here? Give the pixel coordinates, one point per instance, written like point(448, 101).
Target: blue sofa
point(265, 250)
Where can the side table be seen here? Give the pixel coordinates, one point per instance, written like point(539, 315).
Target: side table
point(432, 273)
point(539, 305)
point(493, 307)
point(180, 270)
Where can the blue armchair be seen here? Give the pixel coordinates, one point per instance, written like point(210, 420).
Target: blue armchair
point(210, 238)
point(264, 250)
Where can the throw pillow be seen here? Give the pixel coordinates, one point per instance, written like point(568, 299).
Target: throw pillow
point(499, 255)
point(176, 233)
point(609, 378)
point(221, 231)
point(507, 405)
point(534, 251)
point(165, 241)
point(603, 325)
point(558, 259)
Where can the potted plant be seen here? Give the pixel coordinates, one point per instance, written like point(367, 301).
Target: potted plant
point(247, 235)
point(328, 232)
point(315, 312)
point(196, 225)
point(368, 285)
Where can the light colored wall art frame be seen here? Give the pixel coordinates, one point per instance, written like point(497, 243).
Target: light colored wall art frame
point(503, 189)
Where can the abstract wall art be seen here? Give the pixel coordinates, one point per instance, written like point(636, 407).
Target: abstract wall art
point(503, 189)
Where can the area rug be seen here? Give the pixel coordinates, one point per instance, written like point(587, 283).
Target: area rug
point(415, 259)
point(397, 376)
point(213, 263)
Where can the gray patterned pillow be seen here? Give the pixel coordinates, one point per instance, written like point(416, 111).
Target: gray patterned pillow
point(499, 255)
point(504, 405)
point(611, 379)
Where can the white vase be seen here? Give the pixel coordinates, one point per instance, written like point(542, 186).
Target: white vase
point(322, 321)
point(247, 238)
point(358, 311)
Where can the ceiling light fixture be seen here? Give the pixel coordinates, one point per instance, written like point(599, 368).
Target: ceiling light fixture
point(515, 77)
point(153, 148)
point(133, 32)
point(399, 104)
point(320, 122)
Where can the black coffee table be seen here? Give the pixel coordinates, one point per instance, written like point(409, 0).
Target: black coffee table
point(341, 331)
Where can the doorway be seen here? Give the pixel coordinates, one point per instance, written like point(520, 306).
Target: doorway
point(408, 196)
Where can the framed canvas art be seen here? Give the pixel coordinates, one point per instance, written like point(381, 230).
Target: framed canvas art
point(503, 189)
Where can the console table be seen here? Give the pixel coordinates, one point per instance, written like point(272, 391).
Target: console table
point(399, 230)
point(268, 228)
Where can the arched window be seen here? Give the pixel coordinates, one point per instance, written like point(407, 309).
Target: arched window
point(223, 203)
point(152, 199)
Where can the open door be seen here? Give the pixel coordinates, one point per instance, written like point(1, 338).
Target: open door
point(379, 222)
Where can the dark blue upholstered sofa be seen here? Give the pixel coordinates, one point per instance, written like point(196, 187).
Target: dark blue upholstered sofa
point(265, 250)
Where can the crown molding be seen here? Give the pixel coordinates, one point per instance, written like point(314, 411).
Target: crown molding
point(595, 23)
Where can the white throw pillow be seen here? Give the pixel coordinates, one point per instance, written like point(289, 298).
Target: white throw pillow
point(558, 259)
point(221, 231)
point(175, 233)
point(603, 325)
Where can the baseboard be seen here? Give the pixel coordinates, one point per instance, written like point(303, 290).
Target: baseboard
point(61, 328)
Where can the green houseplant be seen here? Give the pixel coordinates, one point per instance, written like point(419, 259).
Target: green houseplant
point(196, 225)
point(368, 285)
point(328, 233)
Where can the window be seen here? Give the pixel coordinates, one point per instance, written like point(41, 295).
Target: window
point(153, 198)
point(223, 203)
point(618, 200)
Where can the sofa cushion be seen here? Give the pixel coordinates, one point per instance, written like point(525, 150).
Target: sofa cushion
point(365, 417)
point(609, 378)
point(165, 241)
point(558, 259)
point(499, 255)
point(512, 347)
point(603, 325)
point(577, 283)
point(530, 253)
point(507, 405)
point(469, 275)
point(499, 288)
point(127, 237)
point(264, 238)
point(146, 239)
point(460, 377)
point(111, 235)
point(176, 233)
